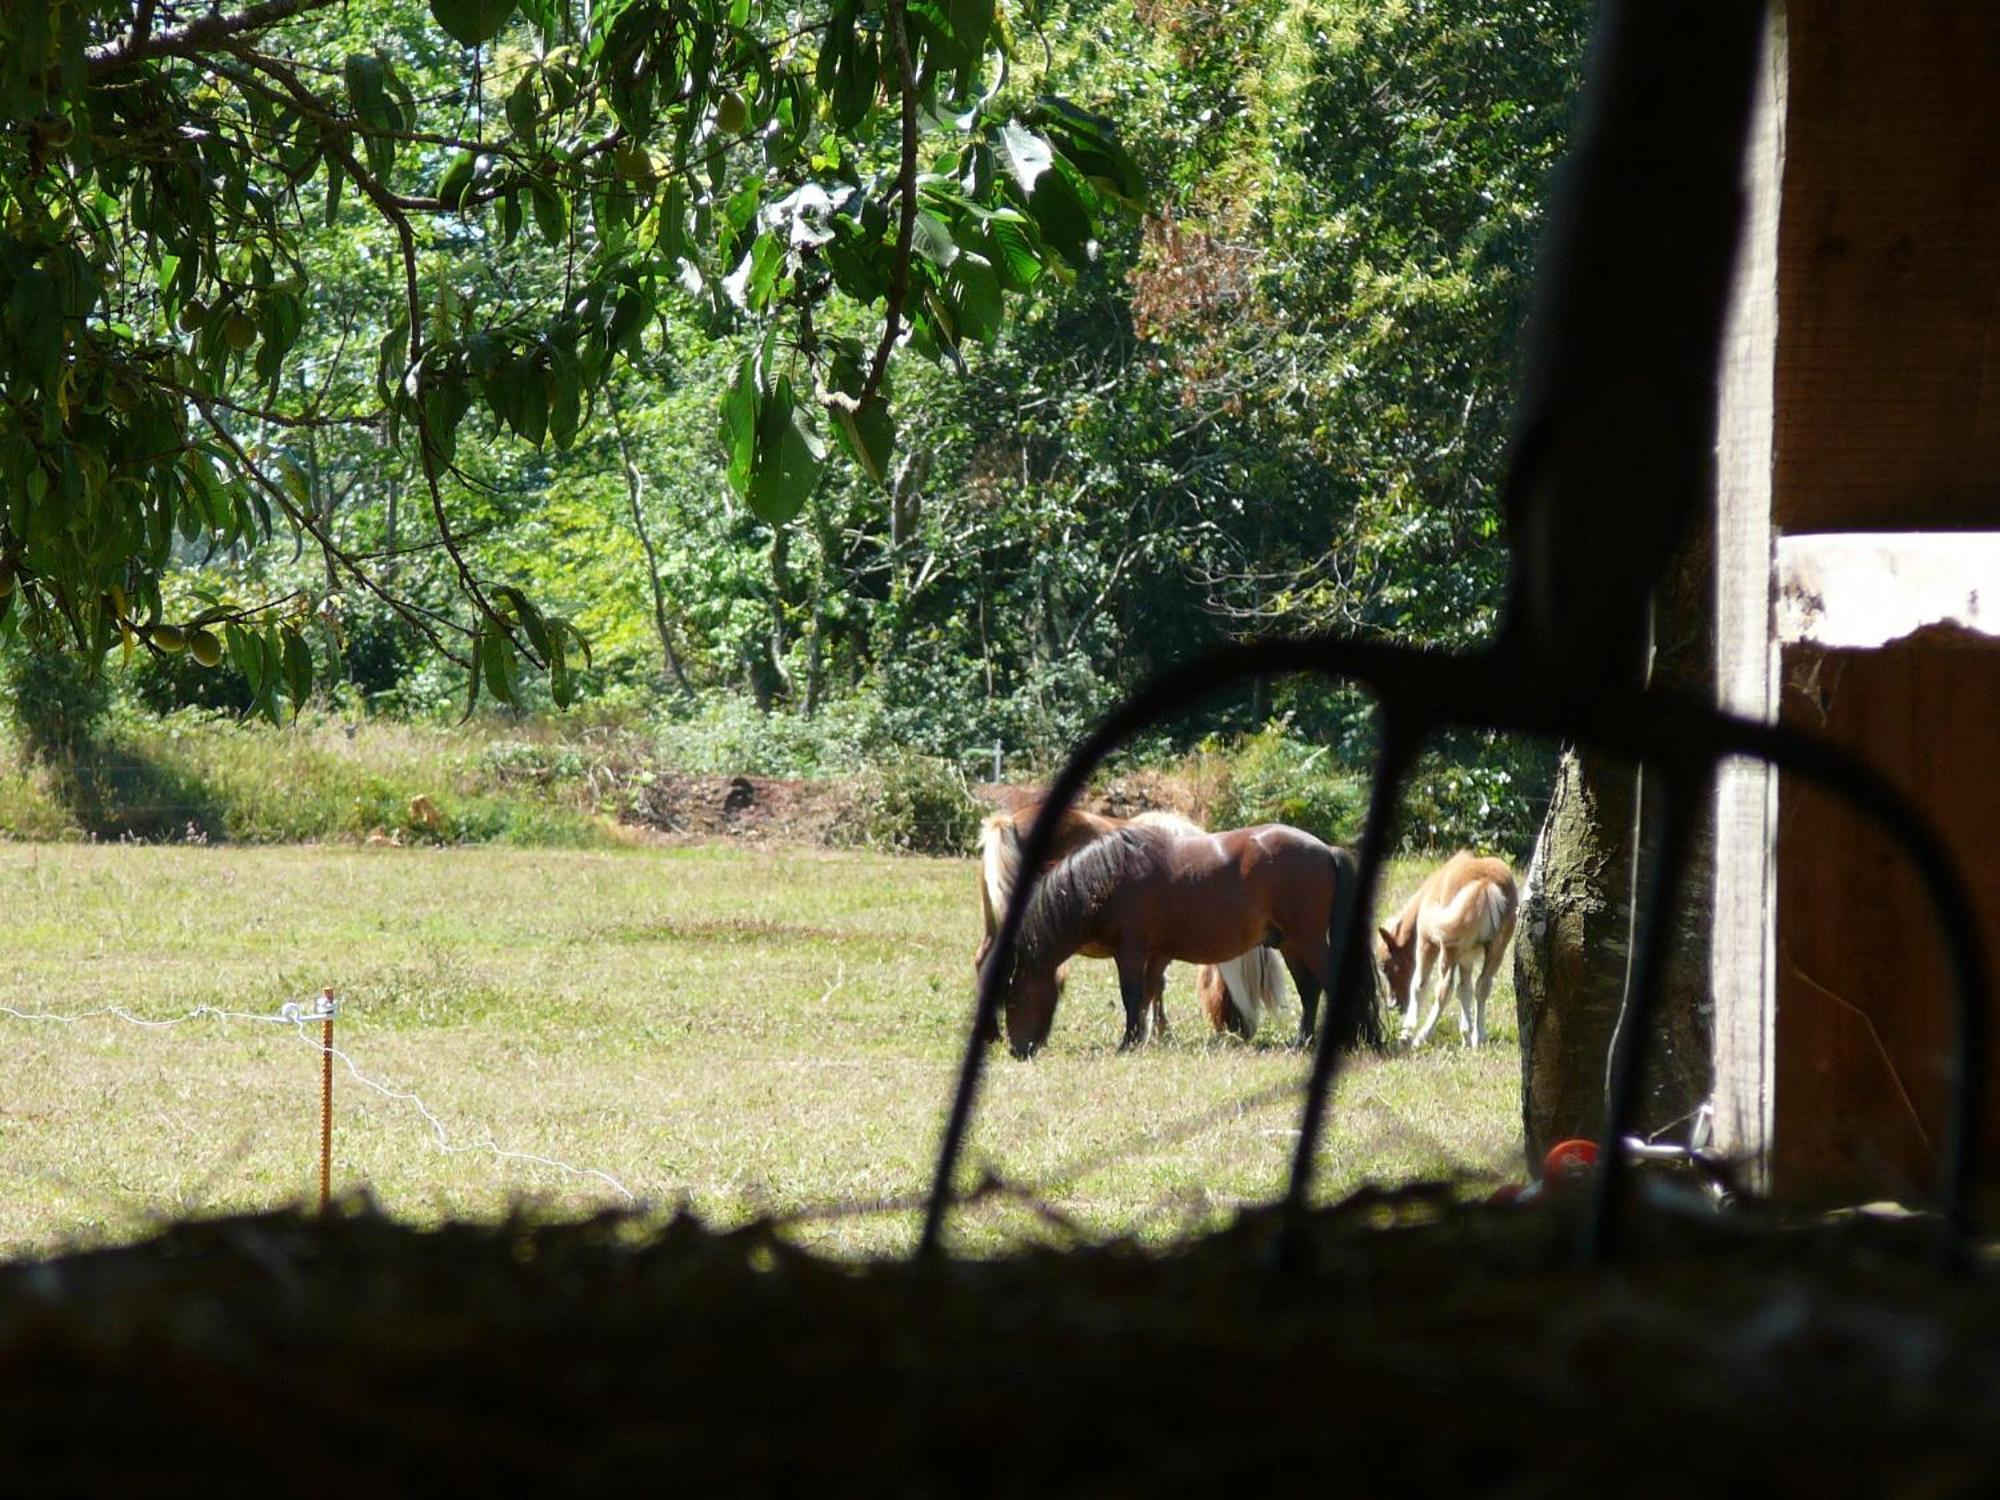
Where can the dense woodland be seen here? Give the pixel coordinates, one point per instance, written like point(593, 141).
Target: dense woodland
point(396, 359)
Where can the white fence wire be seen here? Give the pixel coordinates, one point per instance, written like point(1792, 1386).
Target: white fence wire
point(299, 1017)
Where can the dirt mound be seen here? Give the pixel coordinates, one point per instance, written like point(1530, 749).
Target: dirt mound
point(756, 809)
point(775, 811)
point(1426, 1348)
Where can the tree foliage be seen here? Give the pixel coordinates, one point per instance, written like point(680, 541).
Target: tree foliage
point(236, 242)
point(604, 356)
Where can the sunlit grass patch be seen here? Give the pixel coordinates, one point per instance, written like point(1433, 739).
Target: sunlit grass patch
point(748, 1032)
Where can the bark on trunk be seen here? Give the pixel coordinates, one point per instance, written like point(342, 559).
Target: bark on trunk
point(1570, 953)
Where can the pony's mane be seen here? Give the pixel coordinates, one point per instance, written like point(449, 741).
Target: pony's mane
point(999, 864)
point(1072, 892)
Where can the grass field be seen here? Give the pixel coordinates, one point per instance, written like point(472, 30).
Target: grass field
point(743, 1031)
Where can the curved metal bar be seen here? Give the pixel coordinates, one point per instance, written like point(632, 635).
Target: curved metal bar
point(1965, 950)
point(1649, 963)
point(1506, 691)
point(1399, 747)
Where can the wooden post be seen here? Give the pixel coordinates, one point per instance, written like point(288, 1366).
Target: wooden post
point(326, 1006)
point(1746, 792)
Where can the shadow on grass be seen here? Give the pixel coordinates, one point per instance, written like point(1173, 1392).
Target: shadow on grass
point(116, 792)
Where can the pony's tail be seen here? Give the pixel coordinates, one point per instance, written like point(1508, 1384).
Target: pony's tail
point(1270, 975)
point(1353, 1009)
point(1254, 984)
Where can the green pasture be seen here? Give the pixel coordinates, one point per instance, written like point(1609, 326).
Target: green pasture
point(743, 1031)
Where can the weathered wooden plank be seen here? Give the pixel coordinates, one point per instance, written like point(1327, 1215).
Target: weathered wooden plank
point(1746, 792)
point(1862, 989)
point(1888, 371)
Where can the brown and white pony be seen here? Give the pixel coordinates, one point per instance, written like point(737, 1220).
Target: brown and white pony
point(1235, 995)
point(1147, 897)
point(1462, 914)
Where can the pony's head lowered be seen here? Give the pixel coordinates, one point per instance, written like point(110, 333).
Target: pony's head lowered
point(1395, 960)
point(1058, 921)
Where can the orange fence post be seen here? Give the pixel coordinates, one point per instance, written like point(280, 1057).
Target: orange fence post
point(326, 1011)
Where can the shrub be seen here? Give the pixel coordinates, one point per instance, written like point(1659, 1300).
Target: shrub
point(58, 702)
point(1487, 796)
point(33, 805)
point(170, 684)
point(731, 736)
point(1272, 777)
point(920, 805)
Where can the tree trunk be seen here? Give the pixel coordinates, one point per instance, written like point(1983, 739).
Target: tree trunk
point(781, 593)
point(1570, 955)
point(634, 494)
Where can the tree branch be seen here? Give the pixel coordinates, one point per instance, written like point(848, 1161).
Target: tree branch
point(210, 30)
point(327, 545)
point(906, 191)
point(387, 204)
point(265, 414)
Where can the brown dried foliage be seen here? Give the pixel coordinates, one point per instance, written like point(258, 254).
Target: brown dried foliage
point(1193, 292)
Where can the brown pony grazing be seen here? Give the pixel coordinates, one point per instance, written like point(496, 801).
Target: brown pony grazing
point(1147, 897)
point(1000, 840)
point(1464, 911)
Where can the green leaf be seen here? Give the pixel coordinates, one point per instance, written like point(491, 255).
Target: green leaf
point(789, 457)
point(673, 221)
point(628, 316)
point(524, 105)
point(933, 239)
point(445, 403)
point(868, 434)
point(551, 212)
point(972, 23)
point(298, 668)
point(294, 479)
point(859, 265)
point(565, 398)
point(1061, 217)
point(1006, 241)
point(366, 80)
point(532, 624)
point(472, 21)
point(496, 657)
point(496, 381)
point(529, 415)
point(750, 285)
point(975, 288)
point(953, 33)
point(472, 691)
point(1028, 156)
point(547, 17)
point(456, 181)
point(1090, 142)
point(739, 425)
point(249, 660)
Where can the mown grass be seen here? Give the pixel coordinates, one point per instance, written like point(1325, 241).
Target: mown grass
point(745, 1031)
